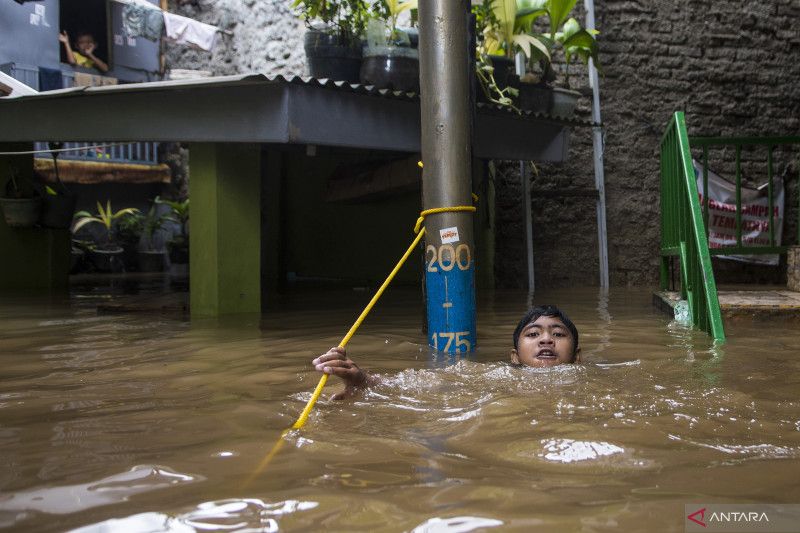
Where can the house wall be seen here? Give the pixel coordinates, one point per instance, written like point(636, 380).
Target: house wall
point(731, 66)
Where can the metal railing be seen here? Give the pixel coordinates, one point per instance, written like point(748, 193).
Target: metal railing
point(742, 247)
point(683, 232)
point(143, 153)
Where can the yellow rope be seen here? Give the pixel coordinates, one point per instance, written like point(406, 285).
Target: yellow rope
point(303, 418)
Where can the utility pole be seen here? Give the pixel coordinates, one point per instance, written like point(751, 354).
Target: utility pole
point(447, 174)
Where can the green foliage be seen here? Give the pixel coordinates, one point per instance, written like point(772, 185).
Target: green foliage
point(105, 217)
point(565, 36)
point(180, 211)
point(151, 223)
point(503, 28)
point(508, 26)
point(388, 12)
point(129, 229)
point(348, 18)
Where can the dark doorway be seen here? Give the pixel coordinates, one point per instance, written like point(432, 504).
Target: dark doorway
point(86, 16)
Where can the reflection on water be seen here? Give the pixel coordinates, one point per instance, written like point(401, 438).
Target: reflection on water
point(148, 423)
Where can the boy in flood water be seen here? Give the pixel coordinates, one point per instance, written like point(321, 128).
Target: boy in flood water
point(544, 337)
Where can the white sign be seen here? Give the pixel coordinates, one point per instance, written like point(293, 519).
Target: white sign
point(449, 235)
point(755, 215)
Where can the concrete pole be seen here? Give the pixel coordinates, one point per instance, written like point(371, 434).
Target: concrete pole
point(447, 174)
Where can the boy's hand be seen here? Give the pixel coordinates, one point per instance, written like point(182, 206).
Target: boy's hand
point(63, 37)
point(335, 362)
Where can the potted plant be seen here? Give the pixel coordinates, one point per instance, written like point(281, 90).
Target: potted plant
point(151, 256)
point(390, 58)
point(333, 40)
point(21, 207)
point(106, 256)
point(179, 244)
point(58, 203)
point(566, 38)
point(501, 27)
point(129, 234)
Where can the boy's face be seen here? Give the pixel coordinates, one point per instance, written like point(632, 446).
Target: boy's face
point(545, 342)
point(84, 43)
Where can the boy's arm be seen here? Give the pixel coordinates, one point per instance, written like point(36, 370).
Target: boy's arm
point(335, 362)
point(99, 64)
point(64, 38)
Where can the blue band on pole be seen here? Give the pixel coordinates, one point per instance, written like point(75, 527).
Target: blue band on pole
point(450, 286)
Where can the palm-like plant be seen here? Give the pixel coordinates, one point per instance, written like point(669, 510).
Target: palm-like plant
point(565, 33)
point(180, 210)
point(506, 29)
point(105, 217)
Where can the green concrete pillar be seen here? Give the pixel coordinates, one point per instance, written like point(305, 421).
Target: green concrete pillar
point(225, 234)
point(30, 258)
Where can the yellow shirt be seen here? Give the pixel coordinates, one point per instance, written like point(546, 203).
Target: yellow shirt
point(82, 61)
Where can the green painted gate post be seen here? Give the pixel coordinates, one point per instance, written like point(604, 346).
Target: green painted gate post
point(225, 233)
point(30, 258)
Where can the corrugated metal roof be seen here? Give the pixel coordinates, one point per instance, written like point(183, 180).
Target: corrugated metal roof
point(256, 79)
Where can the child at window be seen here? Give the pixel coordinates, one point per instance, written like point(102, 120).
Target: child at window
point(544, 337)
point(83, 55)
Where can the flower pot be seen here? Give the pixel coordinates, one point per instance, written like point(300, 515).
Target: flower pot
point(151, 261)
point(535, 97)
point(21, 212)
point(564, 102)
point(108, 260)
point(391, 67)
point(57, 210)
point(332, 58)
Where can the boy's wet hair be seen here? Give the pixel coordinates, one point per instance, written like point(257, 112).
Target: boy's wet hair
point(545, 310)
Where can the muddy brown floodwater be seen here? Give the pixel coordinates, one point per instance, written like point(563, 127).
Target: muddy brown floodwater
point(153, 423)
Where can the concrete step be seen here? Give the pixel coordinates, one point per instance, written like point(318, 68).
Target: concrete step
point(745, 302)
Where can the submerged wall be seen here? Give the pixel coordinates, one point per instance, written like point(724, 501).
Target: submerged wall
point(731, 66)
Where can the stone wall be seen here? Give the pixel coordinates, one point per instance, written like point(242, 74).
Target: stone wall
point(730, 65)
point(266, 37)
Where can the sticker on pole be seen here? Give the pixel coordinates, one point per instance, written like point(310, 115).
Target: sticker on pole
point(449, 235)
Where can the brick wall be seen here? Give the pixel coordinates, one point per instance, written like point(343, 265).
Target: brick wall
point(731, 66)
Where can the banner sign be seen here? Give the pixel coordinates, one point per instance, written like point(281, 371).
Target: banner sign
point(755, 215)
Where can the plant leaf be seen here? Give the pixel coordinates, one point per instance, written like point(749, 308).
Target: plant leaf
point(526, 41)
point(559, 11)
point(506, 13)
point(525, 19)
point(84, 221)
point(123, 212)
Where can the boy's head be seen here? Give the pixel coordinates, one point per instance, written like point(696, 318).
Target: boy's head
point(545, 337)
point(84, 41)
